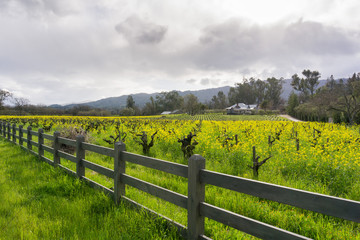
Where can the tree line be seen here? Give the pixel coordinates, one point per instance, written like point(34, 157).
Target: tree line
point(250, 91)
point(338, 100)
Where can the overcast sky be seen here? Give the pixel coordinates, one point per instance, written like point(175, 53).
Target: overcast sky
point(66, 51)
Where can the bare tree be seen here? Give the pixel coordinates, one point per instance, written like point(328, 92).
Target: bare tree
point(20, 103)
point(4, 94)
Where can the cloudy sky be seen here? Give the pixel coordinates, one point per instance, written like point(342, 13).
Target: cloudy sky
point(65, 51)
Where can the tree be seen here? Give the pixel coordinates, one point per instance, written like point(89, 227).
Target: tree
point(257, 91)
point(4, 94)
point(168, 101)
point(349, 100)
point(331, 83)
point(273, 91)
point(219, 101)
point(130, 103)
point(191, 104)
point(312, 80)
point(260, 91)
point(150, 107)
point(306, 86)
point(243, 92)
point(21, 103)
point(293, 102)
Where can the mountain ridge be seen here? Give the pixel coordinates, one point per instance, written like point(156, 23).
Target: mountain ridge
point(203, 95)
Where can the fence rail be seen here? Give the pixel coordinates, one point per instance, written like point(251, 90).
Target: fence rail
point(197, 177)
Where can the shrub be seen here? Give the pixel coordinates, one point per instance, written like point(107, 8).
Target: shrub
point(71, 132)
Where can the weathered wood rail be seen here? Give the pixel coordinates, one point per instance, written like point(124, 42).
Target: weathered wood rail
point(197, 177)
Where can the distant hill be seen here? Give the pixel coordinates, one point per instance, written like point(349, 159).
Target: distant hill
point(141, 99)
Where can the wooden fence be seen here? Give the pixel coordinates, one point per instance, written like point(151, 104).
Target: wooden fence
point(197, 177)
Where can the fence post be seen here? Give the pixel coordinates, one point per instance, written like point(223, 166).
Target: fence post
point(297, 144)
point(20, 135)
point(4, 129)
point(196, 195)
point(40, 142)
point(80, 155)
point(14, 133)
point(56, 149)
point(119, 168)
point(1, 130)
point(8, 131)
point(29, 138)
point(255, 163)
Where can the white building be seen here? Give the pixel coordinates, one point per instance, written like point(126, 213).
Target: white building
point(241, 108)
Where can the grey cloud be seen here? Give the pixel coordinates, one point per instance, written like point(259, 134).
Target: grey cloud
point(136, 30)
point(234, 44)
point(191, 81)
point(40, 8)
point(205, 81)
point(227, 45)
point(210, 81)
point(315, 38)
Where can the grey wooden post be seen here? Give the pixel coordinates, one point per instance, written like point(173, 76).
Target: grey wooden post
point(255, 163)
point(80, 155)
point(8, 131)
point(20, 135)
point(4, 129)
point(297, 144)
point(41, 142)
point(196, 195)
point(119, 168)
point(1, 129)
point(14, 133)
point(29, 138)
point(56, 149)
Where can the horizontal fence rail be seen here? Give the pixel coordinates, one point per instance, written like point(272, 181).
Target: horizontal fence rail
point(197, 177)
point(164, 166)
point(333, 206)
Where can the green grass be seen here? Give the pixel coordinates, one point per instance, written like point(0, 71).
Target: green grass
point(40, 202)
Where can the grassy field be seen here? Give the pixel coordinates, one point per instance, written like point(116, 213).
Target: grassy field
point(40, 202)
point(328, 162)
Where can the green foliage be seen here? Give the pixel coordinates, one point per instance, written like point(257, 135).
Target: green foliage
point(168, 101)
point(40, 202)
point(252, 91)
point(293, 102)
point(219, 101)
point(306, 86)
point(130, 103)
point(191, 104)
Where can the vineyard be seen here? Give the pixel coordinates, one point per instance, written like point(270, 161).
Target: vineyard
point(223, 117)
point(317, 157)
